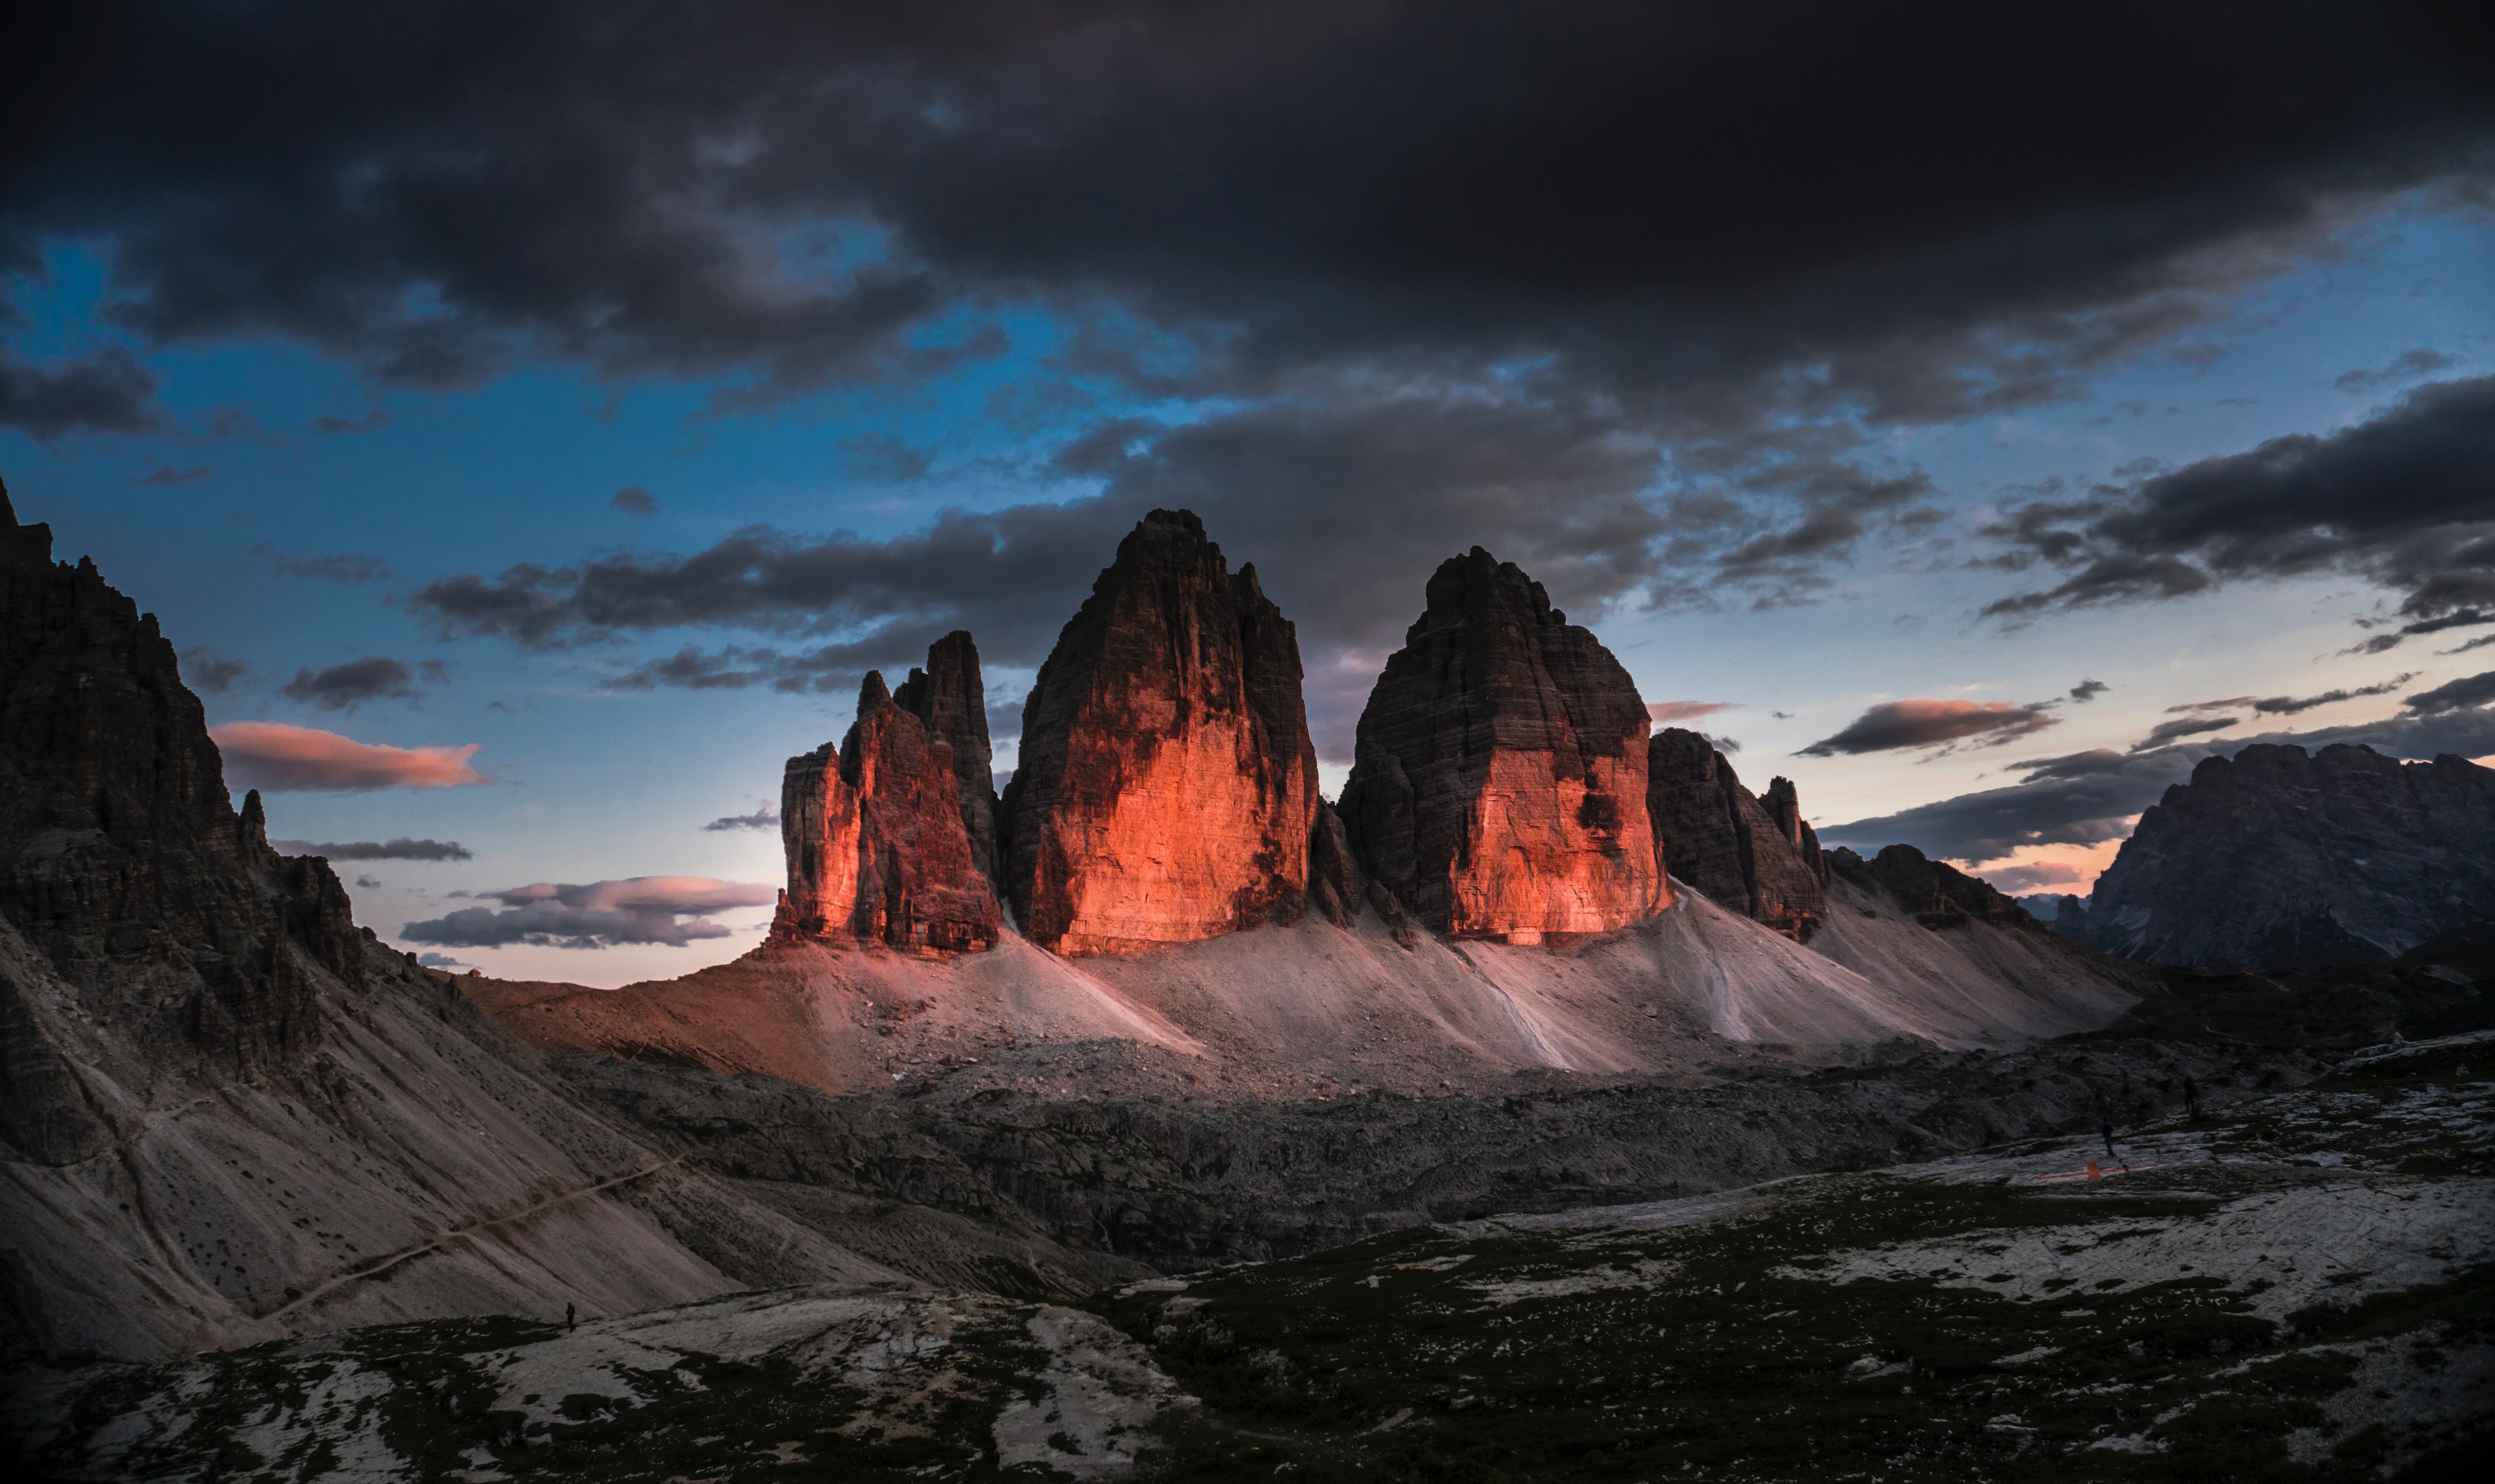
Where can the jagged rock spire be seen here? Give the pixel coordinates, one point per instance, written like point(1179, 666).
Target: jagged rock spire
point(1167, 786)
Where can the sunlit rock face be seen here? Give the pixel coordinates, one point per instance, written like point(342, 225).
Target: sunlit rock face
point(876, 848)
point(951, 700)
point(1499, 786)
point(1747, 855)
point(1167, 787)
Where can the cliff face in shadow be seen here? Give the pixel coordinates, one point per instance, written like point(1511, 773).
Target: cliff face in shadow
point(2279, 859)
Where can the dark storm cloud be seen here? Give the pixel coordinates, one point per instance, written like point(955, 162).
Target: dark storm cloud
point(342, 568)
point(2294, 706)
point(2464, 618)
point(764, 817)
point(2086, 798)
point(1358, 505)
point(1897, 725)
point(344, 687)
point(2475, 690)
point(2403, 498)
point(2186, 727)
point(401, 849)
point(108, 392)
point(882, 457)
point(2088, 690)
point(1692, 200)
point(206, 670)
point(633, 500)
point(672, 909)
point(2407, 365)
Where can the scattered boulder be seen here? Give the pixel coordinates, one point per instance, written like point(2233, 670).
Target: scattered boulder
point(1499, 785)
point(1747, 856)
point(1167, 787)
point(877, 846)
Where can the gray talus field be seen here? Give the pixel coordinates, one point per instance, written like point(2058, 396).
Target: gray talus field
point(2301, 1287)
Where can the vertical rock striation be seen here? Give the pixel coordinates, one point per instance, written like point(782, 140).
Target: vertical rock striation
point(1750, 856)
point(123, 861)
point(1499, 785)
point(950, 699)
point(1167, 787)
point(878, 847)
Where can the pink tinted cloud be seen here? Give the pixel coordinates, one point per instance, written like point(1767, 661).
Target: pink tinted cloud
point(276, 757)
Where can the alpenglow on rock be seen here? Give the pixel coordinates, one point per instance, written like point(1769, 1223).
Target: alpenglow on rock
point(1167, 784)
point(878, 850)
point(1498, 787)
point(1750, 857)
point(2277, 859)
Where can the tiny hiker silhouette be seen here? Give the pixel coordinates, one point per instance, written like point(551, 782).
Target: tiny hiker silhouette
point(2191, 1098)
point(570, 1322)
point(2109, 1139)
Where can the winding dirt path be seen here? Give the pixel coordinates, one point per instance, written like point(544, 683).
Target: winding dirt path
point(383, 1264)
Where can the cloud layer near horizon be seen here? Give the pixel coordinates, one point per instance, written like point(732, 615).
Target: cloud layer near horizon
point(2087, 798)
point(670, 909)
point(279, 758)
point(401, 849)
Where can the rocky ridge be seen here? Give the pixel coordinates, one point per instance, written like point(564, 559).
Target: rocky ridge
point(2280, 859)
point(878, 837)
point(227, 1115)
point(1500, 779)
point(1753, 857)
point(1167, 786)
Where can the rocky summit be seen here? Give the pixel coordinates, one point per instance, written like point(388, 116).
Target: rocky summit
point(1716, 836)
point(2281, 859)
point(1167, 784)
point(951, 698)
point(127, 868)
point(1499, 784)
point(878, 845)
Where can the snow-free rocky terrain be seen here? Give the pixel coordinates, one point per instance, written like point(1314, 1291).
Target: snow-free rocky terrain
point(2300, 1286)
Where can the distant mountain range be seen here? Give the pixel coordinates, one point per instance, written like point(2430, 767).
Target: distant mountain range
point(2279, 859)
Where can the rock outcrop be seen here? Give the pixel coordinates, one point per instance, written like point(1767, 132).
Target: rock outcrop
point(1167, 787)
point(2277, 859)
point(1939, 894)
point(1500, 780)
point(228, 1115)
point(1745, 854)
point(878, 846)
point(122, 859)
point(951, 700)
